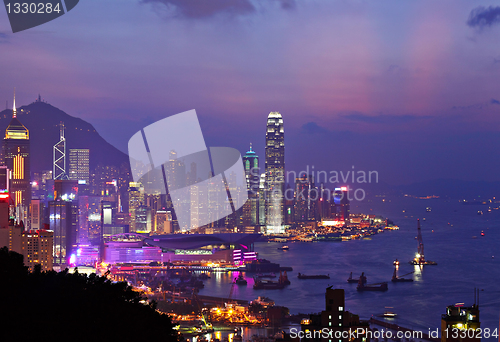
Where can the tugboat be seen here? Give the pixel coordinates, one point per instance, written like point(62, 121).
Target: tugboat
point(363, 286)
point(396, 279)
point(240, 280)
point(318, 276)
point(351, 279)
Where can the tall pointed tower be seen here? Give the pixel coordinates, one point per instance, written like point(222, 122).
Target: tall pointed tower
point(16, 154)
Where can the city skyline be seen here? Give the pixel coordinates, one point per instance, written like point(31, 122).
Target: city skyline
point(375, 82)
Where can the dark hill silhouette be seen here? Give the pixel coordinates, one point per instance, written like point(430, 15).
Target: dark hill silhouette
point(42, 120)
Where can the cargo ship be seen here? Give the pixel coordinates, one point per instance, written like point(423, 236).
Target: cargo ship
point(262, 284)
point(396, 279)
point(318, 276)
point(363, 286)
point(351, 279)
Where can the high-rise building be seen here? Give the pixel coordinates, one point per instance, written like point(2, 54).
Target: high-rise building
point(90, 227)
point(340, 323)
point(275, 174)
point(262, 201)
point(59, 156)
point(306, 197)
point(342, 204)
point(16, 156)
point(135, 200)
point(63, 221)
point(79, 165)
point(36, 246)
point(459, 318)
point(252, 174)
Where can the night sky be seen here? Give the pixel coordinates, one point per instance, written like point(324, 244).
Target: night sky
point(408, 88)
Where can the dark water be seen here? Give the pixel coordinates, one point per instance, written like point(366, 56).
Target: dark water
point(464, 262)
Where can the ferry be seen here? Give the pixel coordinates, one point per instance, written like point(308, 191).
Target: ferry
point(389, 314)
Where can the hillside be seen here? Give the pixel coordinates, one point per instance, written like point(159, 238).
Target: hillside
point(42, 120)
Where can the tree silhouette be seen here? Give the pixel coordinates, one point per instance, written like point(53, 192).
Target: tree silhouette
point(59, 306)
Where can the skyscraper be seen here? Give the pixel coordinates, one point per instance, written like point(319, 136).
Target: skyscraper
point(16, 156)
point(79, 165)
point(252, 174)
point(275, 174)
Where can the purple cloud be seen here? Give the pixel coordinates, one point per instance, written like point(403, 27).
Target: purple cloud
point(481, 17)
point(195, 9)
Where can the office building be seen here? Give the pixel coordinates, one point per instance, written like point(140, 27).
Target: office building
point(339, 322)
point(252, 174)
point(89, 230)
point(342, 207)
point(459, 318)
point(275, 174)
point(16, 156)
point(79, 165)
point(135, 200)
point(36, 246)
point(63, 219)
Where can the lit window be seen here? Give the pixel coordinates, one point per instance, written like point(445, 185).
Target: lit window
point(341, 308)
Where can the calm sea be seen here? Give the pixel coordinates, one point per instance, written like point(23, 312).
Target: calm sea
point(452, 237)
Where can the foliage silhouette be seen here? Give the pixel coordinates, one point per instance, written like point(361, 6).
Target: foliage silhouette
point(61, 306)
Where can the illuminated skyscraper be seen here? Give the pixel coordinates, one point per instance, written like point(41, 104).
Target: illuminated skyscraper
point(16, 156)
point(135, 200)
point(275, 174)
point(252, 174)
point(79, 165)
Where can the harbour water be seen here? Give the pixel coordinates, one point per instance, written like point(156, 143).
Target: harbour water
point(452, 237)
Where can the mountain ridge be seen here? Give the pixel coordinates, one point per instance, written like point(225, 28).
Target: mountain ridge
point(42, 120)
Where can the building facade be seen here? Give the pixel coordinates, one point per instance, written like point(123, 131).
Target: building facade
point(79, 165)
point(275, 174)
point(16, 156)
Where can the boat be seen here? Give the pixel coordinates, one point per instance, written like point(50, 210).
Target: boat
point(351, 279)
point(480, 212)
point(396, 279)
point(284, 278)
point(240, 280)
point(395, 262)
point(264, 301)
point(284, 248)
point(318, 276)
point(363, 286)
point(428, 209)
point(389, 314)
point(482, 233)
point(271, 275)
point(263, 284)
